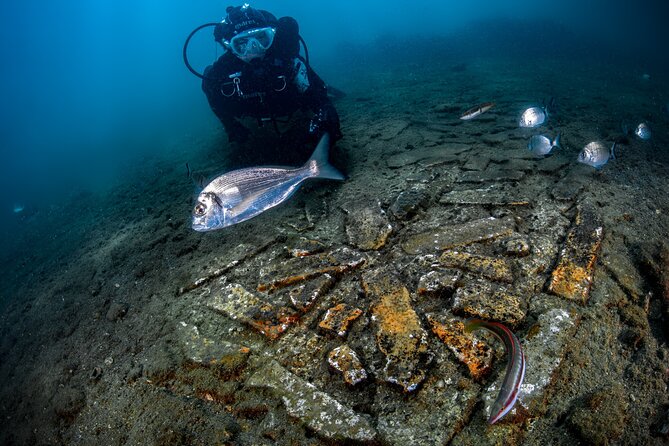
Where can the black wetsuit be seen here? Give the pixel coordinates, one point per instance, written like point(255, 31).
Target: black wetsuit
point(272, 87)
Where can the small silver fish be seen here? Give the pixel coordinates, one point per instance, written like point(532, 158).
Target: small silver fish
point(533, 117)
point(476, 111)
point(642, 131)
point(541, 146)
point(596, 154)
point(242, 194)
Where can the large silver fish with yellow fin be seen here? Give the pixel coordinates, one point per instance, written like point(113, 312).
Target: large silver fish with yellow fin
point(242, 194)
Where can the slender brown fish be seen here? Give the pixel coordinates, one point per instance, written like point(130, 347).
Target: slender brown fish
point(477, 110)
point(515, 368)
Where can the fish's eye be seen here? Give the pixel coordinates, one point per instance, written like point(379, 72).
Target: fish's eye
point(200, 209)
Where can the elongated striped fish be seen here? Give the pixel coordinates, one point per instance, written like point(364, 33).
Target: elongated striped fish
point(515, 368)
point(476, 111)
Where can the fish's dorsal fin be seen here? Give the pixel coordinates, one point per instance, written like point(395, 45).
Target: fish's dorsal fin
point(319, 160)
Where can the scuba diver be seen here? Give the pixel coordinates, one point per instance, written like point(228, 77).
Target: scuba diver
point(262, 75)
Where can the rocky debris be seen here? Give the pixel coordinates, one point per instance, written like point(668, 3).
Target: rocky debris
point(476, 355)
point(482, 299)
point(117, 311)
point(493, 268)
point(490, 175)
point(211, 352)
point(439, 282)
point(493, 195)
point(601, 419)
point(438, 155)
point(626, 274)
point(409, 201)
point(451, 236)
point(345, 360)
point(367, 226)
point(544, 347)
point(239, 304)
point(399, 334)
point(573, 275)
point(338, 318)
point(319, 411)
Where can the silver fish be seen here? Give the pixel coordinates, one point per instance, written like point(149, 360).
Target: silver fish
point(596, 154)
point(533, 117)
point(541, 146)
point(642, 131)
point(242, 194)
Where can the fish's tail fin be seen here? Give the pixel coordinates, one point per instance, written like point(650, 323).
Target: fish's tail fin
point(556, 141)
point(613, 151)
point(319, 164)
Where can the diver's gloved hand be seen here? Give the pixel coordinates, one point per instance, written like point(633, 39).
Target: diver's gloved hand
point(237, 133)
point(325, 122)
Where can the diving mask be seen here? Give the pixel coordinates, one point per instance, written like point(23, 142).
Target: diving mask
point(251, 44)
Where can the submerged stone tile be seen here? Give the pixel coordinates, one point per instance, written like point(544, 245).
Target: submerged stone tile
point(544, 348)
point(476, 355)
point(573, 275)
point(303, 247)
point(316, 409)
point(487, 301)
point(430, 417)
point(333, 270)
point(305, 295)
point(367, 226)
point(409, 201)
point(345, 360)
point(497, 269)
point(206, 351)
point(338, 318)
point(476, 161)
point(399, 334)
point(446, 237)
point(237, 303)
point(439, 282)
point(488, 196)
point(429, 155)
point(490, 175)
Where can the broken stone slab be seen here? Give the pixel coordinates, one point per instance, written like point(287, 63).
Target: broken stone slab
point(433, 415)
point(451, 236)
point(304, 296)
point(442, 154)
point(552, 164)
point(409, 201)
point(367, 226)
point(489, 196)
point(239, 304)
point(434, 161)
point(303, 247)
point(319, 411)
point(573, 275)
point(345, 360)
point(470, 351)
point(490, 175)
point(399, 334)
point(476, 161)
point(211, 352)
point(482, 299)
point(439, 282)
point(493, 268)
point(338, 318)
point(544, 347)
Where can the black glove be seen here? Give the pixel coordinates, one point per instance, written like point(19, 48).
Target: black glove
point(326, 120)
point(237, 133)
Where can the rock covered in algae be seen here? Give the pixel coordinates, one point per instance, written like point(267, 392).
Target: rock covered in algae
point(493, 268)
point(316, 409)
point(399, 334)
point(489, 301)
